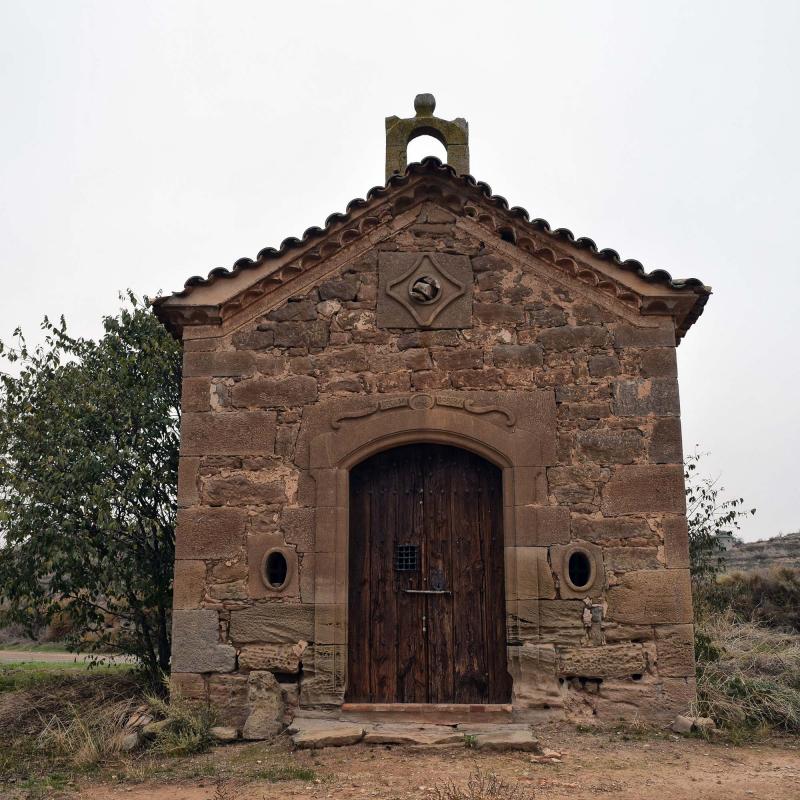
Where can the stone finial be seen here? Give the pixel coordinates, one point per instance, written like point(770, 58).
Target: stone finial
point(453, 134)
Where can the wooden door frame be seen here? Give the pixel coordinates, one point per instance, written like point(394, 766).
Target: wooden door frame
point(487, 431)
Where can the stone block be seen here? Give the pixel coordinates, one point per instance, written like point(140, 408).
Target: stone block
point(522, 621)
point(676, 541)
point(241, 433)
point(189, 584)
point(528, 574)
point(524, 486)
point(517, 355)
point(594, 529)
point(218, 364)
point(243, 489)
point(227, 695)
point(296, 390)
point(632, 336)
point(611, 446)
point(533, 668)
point(282, 658)
point(188, 471)
point(675, 650)
point(273, 622)
point(498, 313)
point(626, 559)
point(651, 597)
point(188, 685)
point(315, 733)
point(561, 621)
point(195, 643)
point(300, 310)
point(298, 526)
point(253, 340)
point(204, 533)
point(265, 700)
point(602, 366)
point(346, 359)
point(659, 362)
point(345, 288)
point(541, 525)
point(576, 485)
point(503, 741)
point(196, 394)
point(608, 661)
point(415, 358)
point(657, 396)
point(666, 446)
point(311, 335)
point(462, 358)
point(645, 489)
point(569, 338)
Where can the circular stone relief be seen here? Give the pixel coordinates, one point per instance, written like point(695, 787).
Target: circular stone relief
point(425, 289)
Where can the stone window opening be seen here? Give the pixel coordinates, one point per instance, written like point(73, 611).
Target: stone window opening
point(580, 570)
point(275, 570)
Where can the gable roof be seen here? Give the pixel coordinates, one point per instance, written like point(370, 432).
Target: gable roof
point(511, 224)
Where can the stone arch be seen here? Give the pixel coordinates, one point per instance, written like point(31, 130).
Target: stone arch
point(453, 134)
point(490, 431)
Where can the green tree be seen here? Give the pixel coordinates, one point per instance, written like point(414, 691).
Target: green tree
point(711, 518)
point(88, 473)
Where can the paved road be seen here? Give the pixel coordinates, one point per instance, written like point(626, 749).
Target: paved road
point(40, 657)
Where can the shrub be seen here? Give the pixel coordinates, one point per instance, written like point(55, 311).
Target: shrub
point(188, 728)
point(748, 675)
point(768, 596)
point(482, 786)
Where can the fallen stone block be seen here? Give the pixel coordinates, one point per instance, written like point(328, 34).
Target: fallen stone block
point(221, 734)
point(503, 741)
point(327, 734)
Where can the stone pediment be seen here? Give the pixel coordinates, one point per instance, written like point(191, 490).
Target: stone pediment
point(226, 299)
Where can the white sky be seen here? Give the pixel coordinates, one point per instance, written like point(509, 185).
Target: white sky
point(144, 142)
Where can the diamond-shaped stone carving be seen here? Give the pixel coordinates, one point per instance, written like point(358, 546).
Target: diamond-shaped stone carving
point(424, 290)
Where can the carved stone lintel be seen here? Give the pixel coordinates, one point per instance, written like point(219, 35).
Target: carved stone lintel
point(422, 402)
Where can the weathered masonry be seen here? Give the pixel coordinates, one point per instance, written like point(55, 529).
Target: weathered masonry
point(431, 455)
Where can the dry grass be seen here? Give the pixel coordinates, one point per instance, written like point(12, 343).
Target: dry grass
point(482, 786)
point(748, 675)
point(768, 596)
point(189, 726)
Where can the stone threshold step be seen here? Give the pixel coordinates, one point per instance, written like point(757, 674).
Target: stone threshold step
point(439, 713)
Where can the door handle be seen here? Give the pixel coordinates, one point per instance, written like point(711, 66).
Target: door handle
point(427, 591)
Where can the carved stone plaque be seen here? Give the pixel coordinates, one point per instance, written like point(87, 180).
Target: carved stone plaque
point(424, 290)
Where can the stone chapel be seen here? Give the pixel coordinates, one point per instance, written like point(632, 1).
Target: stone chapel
point(431, 466)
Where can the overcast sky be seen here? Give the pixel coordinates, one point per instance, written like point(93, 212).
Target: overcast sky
point(144, 142)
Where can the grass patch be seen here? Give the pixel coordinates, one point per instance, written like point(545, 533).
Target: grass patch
point(188, 728)
point(22, 676)
point(748, 676)
point(35, 647)
point(285, 772)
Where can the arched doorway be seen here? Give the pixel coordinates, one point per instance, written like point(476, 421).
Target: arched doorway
point(426, 617)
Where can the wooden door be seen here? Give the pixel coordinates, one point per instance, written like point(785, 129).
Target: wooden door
point(426, 620)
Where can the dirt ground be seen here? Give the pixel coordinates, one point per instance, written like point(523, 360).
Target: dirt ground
point(593, 765)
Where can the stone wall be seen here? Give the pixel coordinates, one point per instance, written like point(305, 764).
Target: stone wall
point(610, 485)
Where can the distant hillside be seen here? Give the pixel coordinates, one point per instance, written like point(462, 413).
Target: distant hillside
point(781, 551)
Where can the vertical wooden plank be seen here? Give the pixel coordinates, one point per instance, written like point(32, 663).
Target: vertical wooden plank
point(492, 537)
point(439, 532)
point(358, 650)
point(411, 651)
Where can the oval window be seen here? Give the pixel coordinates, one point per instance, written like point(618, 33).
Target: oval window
point(579, 569)
point(276, 569)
